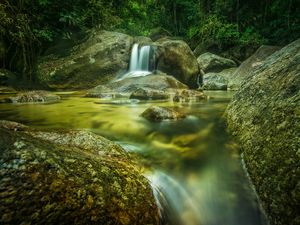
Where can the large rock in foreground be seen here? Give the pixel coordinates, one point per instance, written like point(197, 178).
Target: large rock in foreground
point(209, 62)
point(247, 68)
point(265, 116)
point(175, 58)
point(73, 177)
point(100, 58)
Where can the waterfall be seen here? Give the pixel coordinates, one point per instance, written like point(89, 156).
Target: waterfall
point(140, 62)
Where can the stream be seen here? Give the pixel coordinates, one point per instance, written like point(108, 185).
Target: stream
point(193, 164)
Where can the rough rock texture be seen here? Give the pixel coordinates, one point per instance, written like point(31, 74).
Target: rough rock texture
point(33, 96)
point(158, 81)
point(98, 59)
point(265, 116)
point(175, 58)
point(189, 96)
point(158, 113)
point(209, 62)
point(217, 81)
point(149, 94)
point(214, 81)
point(247, 67)
point(73, 177)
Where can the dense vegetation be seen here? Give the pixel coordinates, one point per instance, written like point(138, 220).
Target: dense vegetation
point(28, 26)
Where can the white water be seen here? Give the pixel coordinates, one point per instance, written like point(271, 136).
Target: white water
point(139, 62)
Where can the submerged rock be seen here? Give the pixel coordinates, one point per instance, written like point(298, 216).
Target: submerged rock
point(209, 62)
point(265, 116)
point(149, 94)
point(247, 68)
point(175, 58)
point(73, 177)
point(33, 97)
point(158, 113)
point(100, 58)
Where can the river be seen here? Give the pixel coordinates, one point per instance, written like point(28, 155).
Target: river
point(193, 164)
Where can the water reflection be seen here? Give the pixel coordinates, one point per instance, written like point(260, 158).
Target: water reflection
point(192, 163)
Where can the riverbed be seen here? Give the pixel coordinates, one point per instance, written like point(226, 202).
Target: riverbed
point(193, 164)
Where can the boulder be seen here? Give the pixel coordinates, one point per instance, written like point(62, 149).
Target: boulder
point(33, 97)
point(101, 57)
point(158, 113)
point(189, 96)
point(175, 58)
point(209, 62)
point(71, 177)
point(157, 81)
point(214, 81)
point(149, 94)
point(247, 67)
point(264, 115)
point(217, 81)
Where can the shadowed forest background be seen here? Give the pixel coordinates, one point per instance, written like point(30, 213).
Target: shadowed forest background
point(27, 28)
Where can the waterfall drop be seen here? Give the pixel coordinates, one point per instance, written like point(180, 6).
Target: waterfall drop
point(141, 61)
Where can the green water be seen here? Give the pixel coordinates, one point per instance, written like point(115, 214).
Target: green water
point(193, 164)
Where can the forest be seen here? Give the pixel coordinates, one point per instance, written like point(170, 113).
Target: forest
point(27, 28)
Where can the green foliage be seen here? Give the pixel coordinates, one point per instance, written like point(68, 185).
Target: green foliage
point(29, 26)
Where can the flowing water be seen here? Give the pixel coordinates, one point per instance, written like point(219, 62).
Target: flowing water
point(193, 165)
point(140, 61)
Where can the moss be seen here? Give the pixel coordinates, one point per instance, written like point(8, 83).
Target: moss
point(264, 116)
point(44, 181)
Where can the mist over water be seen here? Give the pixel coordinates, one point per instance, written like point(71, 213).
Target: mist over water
point(192, 164)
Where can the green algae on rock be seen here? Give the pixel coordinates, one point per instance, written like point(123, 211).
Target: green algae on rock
point(32, 97)
point(158, 113)
point(70, 177)
point(265, 116)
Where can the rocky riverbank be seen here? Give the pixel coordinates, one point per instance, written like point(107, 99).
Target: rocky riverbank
point(70, 177)
point(265, 117)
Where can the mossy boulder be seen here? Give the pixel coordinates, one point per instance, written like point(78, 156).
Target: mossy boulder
point(149, 94)
point(265, 116)
point(210, 62)
point(158, 113)
point(32, 97)
point(245, 70)
point(187, 95)
point(156, 81)
point(71, 177)
point(218, 81)
point(175, 58)
point(98, 59)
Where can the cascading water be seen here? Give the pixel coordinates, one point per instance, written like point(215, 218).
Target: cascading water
point(140, 62)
